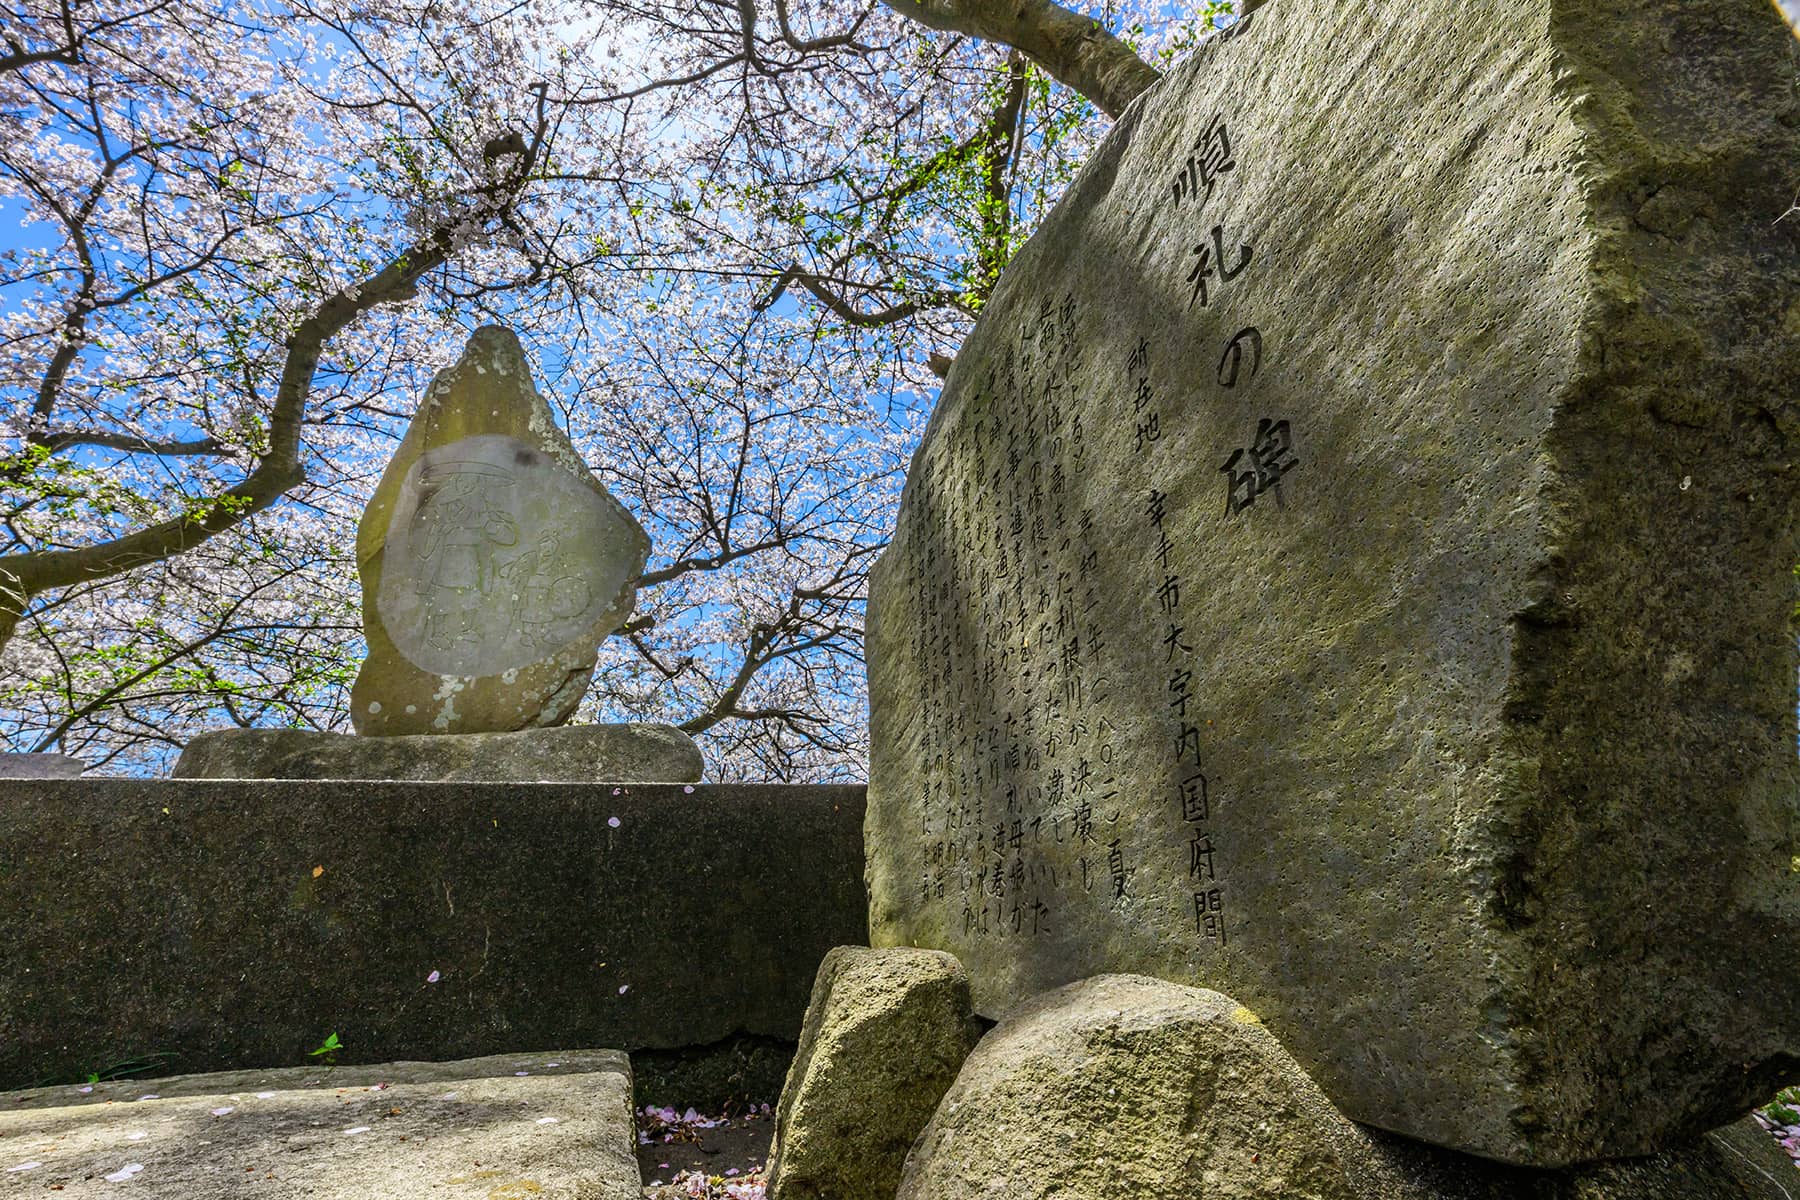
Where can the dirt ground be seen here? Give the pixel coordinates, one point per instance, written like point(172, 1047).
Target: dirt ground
point(733, 1147)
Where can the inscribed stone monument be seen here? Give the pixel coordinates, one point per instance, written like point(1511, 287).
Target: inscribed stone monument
point(1351, 568)
point(1123, 1086)
point(493, 562)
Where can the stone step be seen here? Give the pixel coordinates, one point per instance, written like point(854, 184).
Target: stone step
point(541, 1126)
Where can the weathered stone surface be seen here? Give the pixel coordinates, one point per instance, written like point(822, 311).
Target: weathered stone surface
point(1124, 1087)
point(547, 1127)
point(570, 754)
point(885, 1033)
point(1351, 566)
point(40, 766)
point(493, 563)
point(220, 923)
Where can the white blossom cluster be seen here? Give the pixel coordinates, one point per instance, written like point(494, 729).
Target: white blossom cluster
point(735, 239)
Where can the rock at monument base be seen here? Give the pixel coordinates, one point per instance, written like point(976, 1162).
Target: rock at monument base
point(638, 753)
point(1129, 1088)
point(493, 563)
point(40, 766)
point(1350, 566)
point(543, 1126)
point(885, 1033)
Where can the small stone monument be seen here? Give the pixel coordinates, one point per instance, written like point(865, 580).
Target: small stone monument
point(1351, 568)
point(493, 562)
point(493, 565)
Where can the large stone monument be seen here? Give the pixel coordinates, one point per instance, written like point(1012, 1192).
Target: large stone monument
point(493, 562)
point(1351, 568)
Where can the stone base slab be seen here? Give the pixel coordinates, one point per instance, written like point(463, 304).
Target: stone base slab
point(546, 1126)
point(570, 754)
point(40, 766)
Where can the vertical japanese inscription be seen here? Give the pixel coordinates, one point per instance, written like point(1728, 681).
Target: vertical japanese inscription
point(1197, 179)
point(1009, 647)
point(1024, 766)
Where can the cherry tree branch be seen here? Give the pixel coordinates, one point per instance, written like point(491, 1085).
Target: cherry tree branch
point(278, 469)
point(794, 631)
point(193, 646)
point(995, 145)
point(58, 440)
point(68, 51)
point(711, 562)
point(846, 39)
point(820, 287)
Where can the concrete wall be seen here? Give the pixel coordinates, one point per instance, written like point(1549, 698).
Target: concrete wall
point(238, 923)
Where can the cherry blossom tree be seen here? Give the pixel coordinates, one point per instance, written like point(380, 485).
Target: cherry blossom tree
point(741, 243)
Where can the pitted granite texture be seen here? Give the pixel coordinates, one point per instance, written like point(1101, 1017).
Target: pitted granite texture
point(886, 1032)
point(210, 923)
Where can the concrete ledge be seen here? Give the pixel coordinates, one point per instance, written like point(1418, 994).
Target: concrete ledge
point(223, 924)
point(554, 1126)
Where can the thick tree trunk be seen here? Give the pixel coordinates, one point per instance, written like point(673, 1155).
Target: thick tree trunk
point(1073, 48)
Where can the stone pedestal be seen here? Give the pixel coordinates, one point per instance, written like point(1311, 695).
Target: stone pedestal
point(40, 766)
point(336, 1132)
point(571, 754)
point(258, 916)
